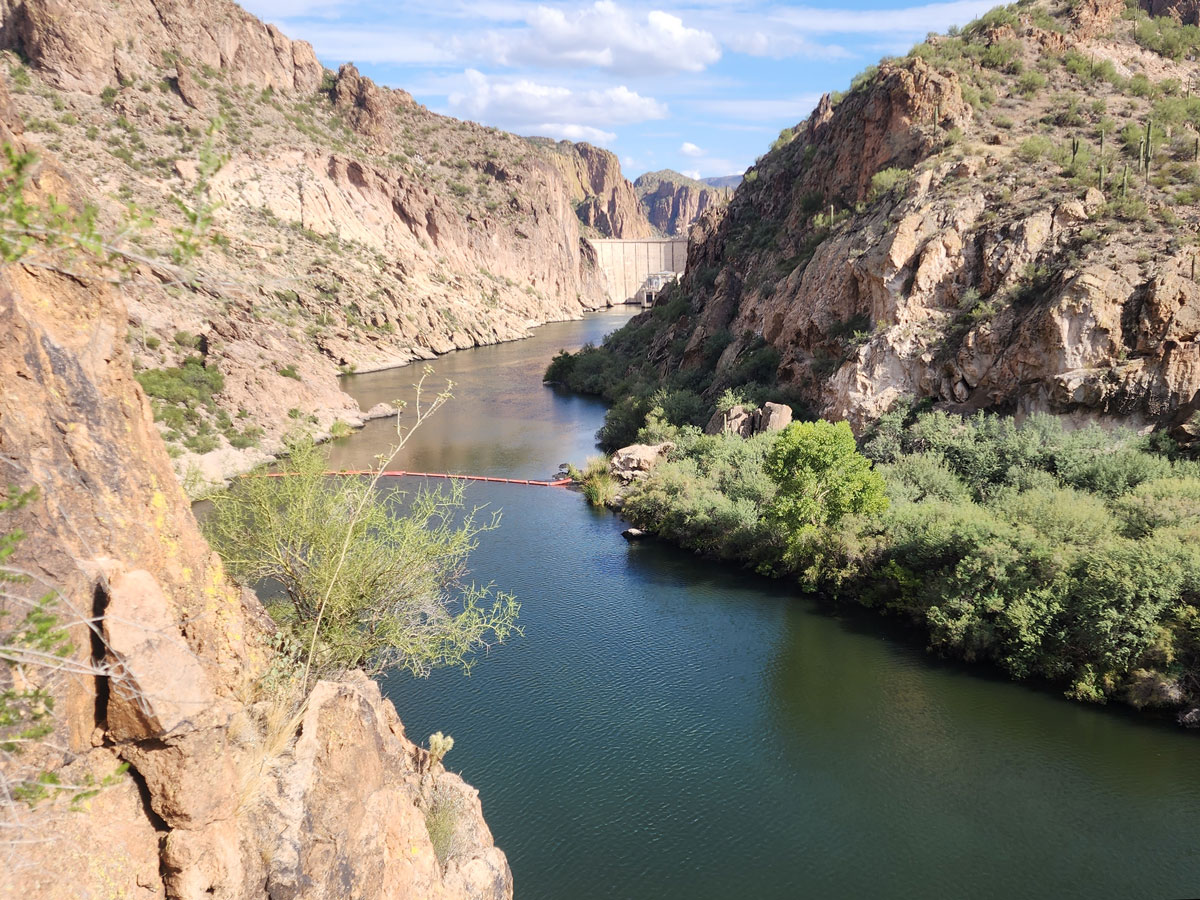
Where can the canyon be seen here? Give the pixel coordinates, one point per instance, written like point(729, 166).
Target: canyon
point(351, 228)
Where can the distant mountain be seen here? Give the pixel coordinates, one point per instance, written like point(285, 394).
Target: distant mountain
point(672, 201)
point(723, 181)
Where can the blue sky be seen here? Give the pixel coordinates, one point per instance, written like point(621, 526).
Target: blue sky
point(702, 87)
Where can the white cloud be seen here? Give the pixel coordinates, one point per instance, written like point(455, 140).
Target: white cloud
point(554, 110)
point(780, 44)
point(692, 173)
point(570, 132)
point(603, 35)
point(382, 44)
point(910, 20)
point(690, 149)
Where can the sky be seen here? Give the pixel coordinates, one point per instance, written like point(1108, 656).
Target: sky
point(702, 87)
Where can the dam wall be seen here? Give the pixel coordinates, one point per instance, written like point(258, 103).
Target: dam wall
point(627, 264)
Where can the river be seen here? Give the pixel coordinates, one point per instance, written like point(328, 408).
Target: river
point(669, 728)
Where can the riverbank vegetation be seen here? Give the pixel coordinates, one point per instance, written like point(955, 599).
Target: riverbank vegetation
point(1068, 556)
point(396, 598)
point(357, 575)
point(621, 372)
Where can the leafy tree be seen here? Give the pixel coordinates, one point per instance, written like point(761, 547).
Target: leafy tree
point(366, 577)
point(822, 478)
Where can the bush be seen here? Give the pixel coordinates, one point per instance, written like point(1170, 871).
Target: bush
point(1035, 147)
point(821, 478)
point(374, 579)
point(1030, 83)
point(889, 182)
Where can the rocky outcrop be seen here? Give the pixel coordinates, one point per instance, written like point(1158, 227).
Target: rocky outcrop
point(604, 199)
point(366, 105)
point(102, 43)
point(205, 785)
point(672, 202)
point(749, 422)
point(637, 460)
point(895, 122)
point(975, 273)
point(1185, 11)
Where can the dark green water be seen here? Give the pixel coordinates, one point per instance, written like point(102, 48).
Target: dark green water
point(666, 728)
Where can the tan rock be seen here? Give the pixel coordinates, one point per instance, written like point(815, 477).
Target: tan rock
point(203, 812)
point(158, 686)
point(774, 417)
point(75, 43)
point(673, 202)
point(637, 460)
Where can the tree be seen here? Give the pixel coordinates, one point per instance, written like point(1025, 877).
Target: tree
point(358, 575)
point(822, 479)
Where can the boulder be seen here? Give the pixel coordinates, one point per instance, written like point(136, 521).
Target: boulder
point(636, 460)
point(158, 686)
point(747, 423)
point(380, 411)
point(774, 417)
point(735, 420)
point(633, 534)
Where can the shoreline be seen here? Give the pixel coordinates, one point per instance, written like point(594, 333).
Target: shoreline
point(201, 474)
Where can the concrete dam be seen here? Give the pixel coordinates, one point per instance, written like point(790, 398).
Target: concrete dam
point(629, 265)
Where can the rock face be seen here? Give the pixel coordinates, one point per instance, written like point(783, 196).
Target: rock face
point(749, 422)
point(975, 273)
point(637, 460)
point(1185, 11)
point(226, 793)
point(605, 200)
point(672, 202)
point(93, 45)
point(352, 228)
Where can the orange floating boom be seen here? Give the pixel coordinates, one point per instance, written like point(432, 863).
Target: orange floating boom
point(562, 482)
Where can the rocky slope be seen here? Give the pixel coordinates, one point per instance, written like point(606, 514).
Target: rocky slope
point(972, 224)
point(672, 202)
point(352, 229)
point(604, 199)
point(172, 768)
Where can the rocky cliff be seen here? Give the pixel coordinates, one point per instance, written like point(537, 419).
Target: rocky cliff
point(672, 202)
point(955, 228)
point(171, 767)
point(604, 198)
point(351, 228)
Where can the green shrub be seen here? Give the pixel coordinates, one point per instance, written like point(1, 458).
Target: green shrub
point(889, 182)
point(1035, 147)
point(1030, 83)
point(372, 578)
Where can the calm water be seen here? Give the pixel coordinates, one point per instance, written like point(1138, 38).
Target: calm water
point(669, 729)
